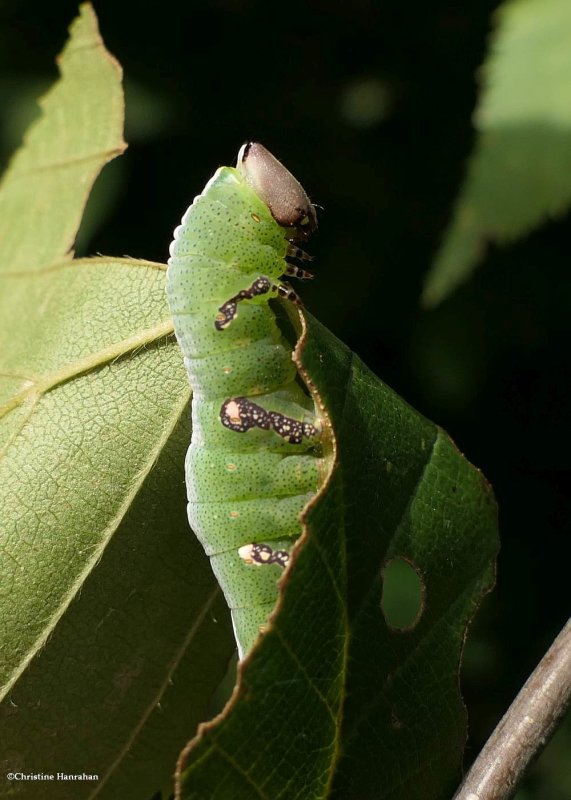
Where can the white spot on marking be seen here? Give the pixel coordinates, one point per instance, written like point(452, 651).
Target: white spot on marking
point(245, 553)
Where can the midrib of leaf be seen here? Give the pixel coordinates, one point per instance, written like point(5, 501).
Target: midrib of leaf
point(40, 386)
point(162, 689)
point(364, 716)
point(73, 370)
point(107, 532)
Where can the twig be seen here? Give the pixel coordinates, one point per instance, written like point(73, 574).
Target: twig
point(525, 728)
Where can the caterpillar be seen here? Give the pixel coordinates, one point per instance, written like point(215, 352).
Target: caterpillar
point(254, 457)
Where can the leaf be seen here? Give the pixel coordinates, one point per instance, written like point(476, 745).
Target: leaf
point(518, 175)
point(111, 618)
point(333, 702)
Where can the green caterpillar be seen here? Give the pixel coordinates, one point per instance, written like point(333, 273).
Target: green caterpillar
point(253, 462)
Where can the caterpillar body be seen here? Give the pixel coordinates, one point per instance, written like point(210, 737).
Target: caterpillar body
point(253, 462)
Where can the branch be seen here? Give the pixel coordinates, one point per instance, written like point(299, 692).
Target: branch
point(525, 728)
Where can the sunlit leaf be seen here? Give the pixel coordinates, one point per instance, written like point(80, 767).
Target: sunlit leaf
point(519, 174)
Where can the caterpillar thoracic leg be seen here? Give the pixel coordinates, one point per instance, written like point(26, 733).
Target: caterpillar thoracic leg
point(288, 293)
point(297, 272)
point(296, 252)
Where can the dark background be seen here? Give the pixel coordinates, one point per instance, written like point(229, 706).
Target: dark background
point(369, 104)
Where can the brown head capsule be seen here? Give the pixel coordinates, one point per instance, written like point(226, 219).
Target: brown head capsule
point(277, 187)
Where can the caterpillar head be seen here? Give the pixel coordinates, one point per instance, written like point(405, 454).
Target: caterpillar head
point(276, 186)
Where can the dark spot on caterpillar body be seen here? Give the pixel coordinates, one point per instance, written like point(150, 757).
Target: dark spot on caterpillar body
point(261, 554)
point(228, 310)
point(241, 414)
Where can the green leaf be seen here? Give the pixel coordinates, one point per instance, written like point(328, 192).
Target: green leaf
point(333, 702)
point(519, 172)
point(111, 618)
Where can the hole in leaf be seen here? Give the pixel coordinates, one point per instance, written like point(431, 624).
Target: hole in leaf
point(403, 595)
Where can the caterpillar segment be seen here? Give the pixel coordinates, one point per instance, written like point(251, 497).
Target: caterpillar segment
point(253, 461)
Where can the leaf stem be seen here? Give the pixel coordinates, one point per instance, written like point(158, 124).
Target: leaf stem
point(525, 728)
